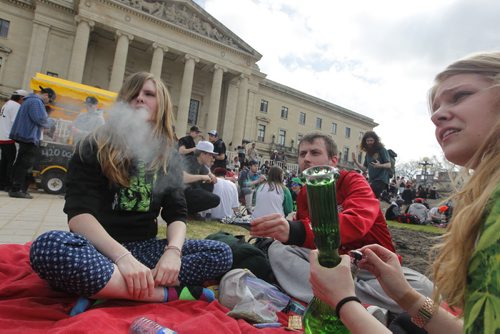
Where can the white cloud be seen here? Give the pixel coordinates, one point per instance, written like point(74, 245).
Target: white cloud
point(377, 58)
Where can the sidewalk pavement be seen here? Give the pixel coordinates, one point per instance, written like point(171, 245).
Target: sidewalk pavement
point(22, 220)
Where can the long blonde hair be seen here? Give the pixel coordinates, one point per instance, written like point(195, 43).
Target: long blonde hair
point(458, 243)
point(113, 154)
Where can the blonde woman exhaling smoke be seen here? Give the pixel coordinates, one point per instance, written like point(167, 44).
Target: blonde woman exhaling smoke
point(120, 179)
point(465, 108)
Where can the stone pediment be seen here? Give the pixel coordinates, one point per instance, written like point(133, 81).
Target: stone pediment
point(190, 16)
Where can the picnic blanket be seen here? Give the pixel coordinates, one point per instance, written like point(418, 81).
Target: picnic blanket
point(29, 305)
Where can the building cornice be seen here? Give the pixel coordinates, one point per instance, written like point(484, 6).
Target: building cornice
point(251, 55)
point(22, 3)
point(317, 101)
point(59, 4)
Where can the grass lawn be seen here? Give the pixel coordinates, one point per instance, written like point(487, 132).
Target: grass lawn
point(420, 228)
point(200, 229)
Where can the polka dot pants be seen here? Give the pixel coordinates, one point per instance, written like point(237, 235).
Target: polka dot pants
point(69, 262)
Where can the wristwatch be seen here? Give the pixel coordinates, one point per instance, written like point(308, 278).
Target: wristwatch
point(425, 313)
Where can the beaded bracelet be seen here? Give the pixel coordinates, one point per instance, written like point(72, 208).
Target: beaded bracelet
point(121, 256)
point(343, 302)
point(174, 248)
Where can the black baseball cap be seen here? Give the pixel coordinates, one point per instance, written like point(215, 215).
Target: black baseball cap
point(50, 92)
point(91, 100)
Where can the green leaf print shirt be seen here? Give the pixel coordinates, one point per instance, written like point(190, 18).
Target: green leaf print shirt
point(482, 297)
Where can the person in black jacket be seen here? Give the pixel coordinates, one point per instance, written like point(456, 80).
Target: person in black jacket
point(219, 148)
point(115, 191)
point(408, 195)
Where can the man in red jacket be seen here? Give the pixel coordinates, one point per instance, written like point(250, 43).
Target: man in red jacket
point(361, 223)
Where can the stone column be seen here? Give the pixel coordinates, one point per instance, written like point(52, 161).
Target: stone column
point(38, 43)
point(157, 61)
point(241, 111)
point(120, 60)
point(230, 113)
point(79, 53)
point(213, 108)
point(185, 96)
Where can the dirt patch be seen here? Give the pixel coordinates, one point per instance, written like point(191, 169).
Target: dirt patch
point(414, 247)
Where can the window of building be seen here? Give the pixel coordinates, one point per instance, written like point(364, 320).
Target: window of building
point(345, 154)
point(334, 128)
point(4, 28)
point(361, 134)
point(319, 122)
point(284, 112)
point(263, 106)
point(194, 106)
point(53, 74)
point(282, 137)
point(302, 118)
point(347, 132)
point(261, 132)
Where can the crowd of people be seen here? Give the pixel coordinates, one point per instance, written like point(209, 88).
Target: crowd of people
point(24, 124)
point(115, 194)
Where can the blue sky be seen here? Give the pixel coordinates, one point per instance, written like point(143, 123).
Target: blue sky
point(377, 58)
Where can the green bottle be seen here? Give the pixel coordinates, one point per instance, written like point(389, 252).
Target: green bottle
point(319, 317)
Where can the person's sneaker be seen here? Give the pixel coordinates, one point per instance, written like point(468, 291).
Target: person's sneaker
point(20, 194)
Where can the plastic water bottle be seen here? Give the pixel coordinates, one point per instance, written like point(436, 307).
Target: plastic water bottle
point(144, 325)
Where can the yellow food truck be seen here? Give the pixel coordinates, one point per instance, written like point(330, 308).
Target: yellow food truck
point(57, 144)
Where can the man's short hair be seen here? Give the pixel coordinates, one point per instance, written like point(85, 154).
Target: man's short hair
point(253, 162)
point(220, 171)
point(331, 147)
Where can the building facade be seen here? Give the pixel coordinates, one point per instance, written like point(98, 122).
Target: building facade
point(211, 73)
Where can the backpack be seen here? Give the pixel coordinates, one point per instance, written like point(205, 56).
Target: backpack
point(392, 158)
point(246, 255)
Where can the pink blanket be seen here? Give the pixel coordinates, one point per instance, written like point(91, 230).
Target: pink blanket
point(28, 305)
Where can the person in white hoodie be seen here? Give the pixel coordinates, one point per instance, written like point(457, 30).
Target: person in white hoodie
point(228, 193)
point(418, 209)
point(8, 148)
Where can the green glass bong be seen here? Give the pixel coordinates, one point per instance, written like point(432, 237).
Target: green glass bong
point(319, 317)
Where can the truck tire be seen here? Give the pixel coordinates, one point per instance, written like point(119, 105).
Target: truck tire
point(53, 181)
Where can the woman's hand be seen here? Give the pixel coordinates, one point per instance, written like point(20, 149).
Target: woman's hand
point(138, 277)
point(166, 272)
point(385, 265)
point(331, 284)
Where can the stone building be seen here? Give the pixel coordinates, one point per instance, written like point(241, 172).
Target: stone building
point(212, 74)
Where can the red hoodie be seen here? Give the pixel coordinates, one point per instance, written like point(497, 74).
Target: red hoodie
point(361, 220)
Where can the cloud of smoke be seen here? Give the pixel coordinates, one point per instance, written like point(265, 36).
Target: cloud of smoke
point(131, 127)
